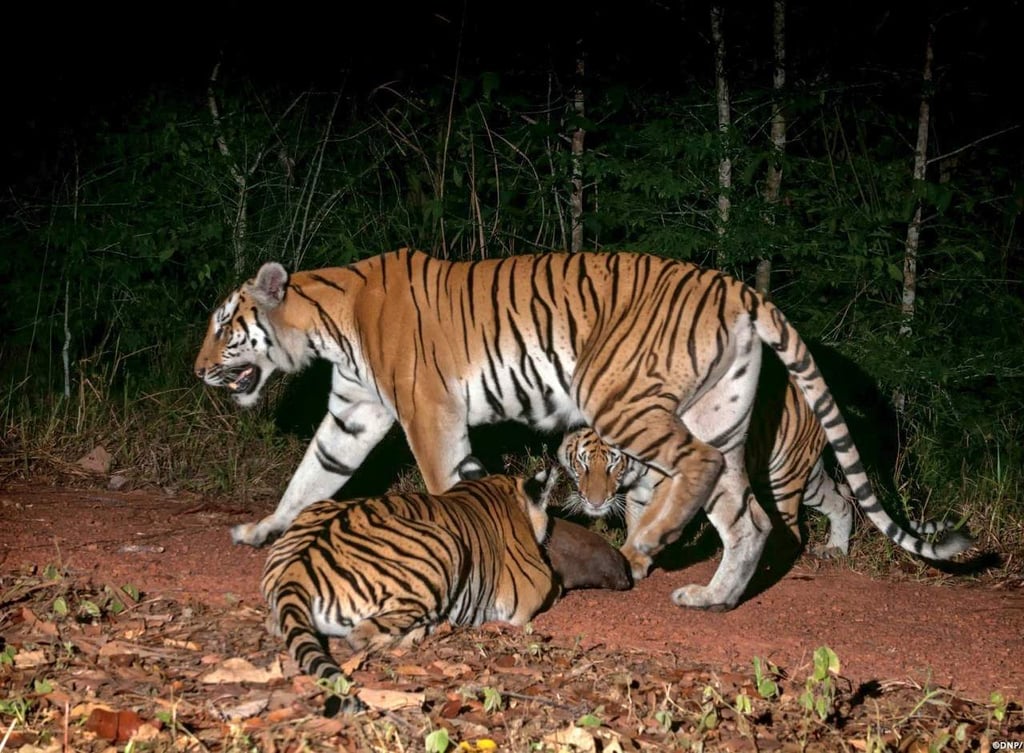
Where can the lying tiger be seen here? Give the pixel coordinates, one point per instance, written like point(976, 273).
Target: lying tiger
point(607, 481)
point(660, 357)
point(390, 569)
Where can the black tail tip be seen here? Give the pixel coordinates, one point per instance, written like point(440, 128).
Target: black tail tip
point(336, 704)
point(470, 469)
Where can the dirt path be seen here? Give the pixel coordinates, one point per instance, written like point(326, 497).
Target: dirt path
point(967, 637)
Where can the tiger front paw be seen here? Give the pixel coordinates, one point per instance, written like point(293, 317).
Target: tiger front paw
point(639, 563)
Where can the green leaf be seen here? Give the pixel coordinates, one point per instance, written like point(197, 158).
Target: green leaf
point(60, 606)
point(42, 687)
point(825, 662)
point(588, 720)
point(492, 700)
point(437, 741)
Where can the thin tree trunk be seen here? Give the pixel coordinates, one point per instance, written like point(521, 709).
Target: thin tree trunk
point(920, 163)
point(778, 134)
point(65, 352)
point(724, 121)
point(576, 202)
point(239, 175)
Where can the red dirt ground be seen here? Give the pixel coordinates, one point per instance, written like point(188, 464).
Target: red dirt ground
point(961, 634)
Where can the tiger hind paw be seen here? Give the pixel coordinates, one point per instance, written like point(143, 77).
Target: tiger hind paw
point(254, 534)
point(699, 597)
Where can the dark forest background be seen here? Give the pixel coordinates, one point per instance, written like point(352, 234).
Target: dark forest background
point(152, 162)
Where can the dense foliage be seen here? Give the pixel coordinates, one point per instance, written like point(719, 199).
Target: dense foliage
point(115, 249)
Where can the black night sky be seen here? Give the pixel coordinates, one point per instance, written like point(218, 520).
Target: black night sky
point(68, 68)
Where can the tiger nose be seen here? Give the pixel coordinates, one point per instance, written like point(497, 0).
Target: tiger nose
point(200, 371)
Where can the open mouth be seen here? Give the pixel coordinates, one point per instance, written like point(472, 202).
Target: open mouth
point(244, 381)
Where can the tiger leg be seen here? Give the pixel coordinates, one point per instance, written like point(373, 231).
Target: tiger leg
point(743, 526)
point(341, 443)
point(691, 467)
point(638, 499)
point(438, 436)
point(832, 499)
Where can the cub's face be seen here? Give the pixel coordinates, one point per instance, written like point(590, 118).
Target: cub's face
point(596, 469)
point(237, 353)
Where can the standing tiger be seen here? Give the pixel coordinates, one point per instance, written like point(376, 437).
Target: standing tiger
point(788, 454)
point(390, 569)
point(660, 357)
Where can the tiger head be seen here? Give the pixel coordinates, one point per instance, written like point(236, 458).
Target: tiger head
point(247, 340)
point(599, 471)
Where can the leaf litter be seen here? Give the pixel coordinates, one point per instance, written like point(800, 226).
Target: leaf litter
point(111, 667)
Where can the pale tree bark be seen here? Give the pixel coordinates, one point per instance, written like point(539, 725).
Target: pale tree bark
point(920, 163)
point(773, 183)
point(576, 199)
point(239, 224)
point(724, 121)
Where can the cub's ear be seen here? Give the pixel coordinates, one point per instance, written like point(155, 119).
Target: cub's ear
point(470, 468)
point(269, 286)
point(539, 488)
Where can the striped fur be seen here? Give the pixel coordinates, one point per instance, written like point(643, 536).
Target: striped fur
point(786, 453)
point(390, 569)
point(660, 357)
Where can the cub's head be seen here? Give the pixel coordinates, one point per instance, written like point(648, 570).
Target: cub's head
point(598, 471)
point(243, 346)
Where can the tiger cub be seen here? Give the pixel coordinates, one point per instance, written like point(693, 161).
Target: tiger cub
point(788, 456)
point(390, 569)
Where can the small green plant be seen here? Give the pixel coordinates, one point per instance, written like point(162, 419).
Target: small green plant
point(765, 675)
point(819, 697)
point(16, 707)
point(591, 720)
point(7, 655)
point(744, 705)
point(42, 687)
point(998, 703)
point(492, 700)
point(60, 607)
point(437, 741)
point(708, 710)
point(664, 719)
point(713, 701)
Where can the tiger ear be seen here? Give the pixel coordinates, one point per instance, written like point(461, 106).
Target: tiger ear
point(539, 488)
point(270, 285)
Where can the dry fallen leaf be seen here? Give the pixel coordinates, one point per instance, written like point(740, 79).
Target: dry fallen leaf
point(27, 659)
point(245, 709)
point(237, 669)
point(44, 627)
point(97, 460)
point(390, 700)
point(575, 739)
point(120, 726)
point(176, 643)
